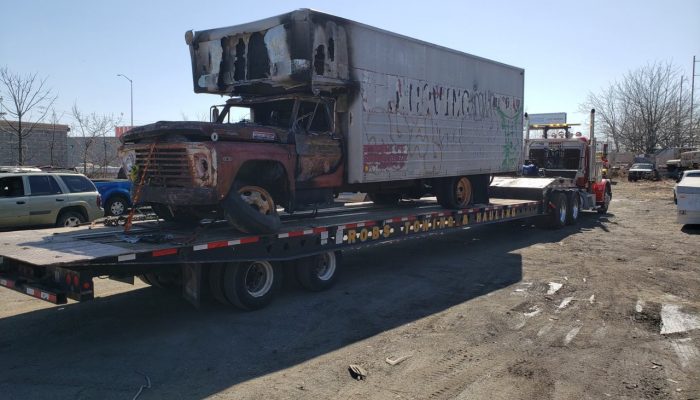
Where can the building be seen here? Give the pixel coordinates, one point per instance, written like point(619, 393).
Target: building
point(47, 144)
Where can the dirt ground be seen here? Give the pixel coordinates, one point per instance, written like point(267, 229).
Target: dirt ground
point(609, 308)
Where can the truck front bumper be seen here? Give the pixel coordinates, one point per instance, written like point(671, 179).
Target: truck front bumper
point(179, 196)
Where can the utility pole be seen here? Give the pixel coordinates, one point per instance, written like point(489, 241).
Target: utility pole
point(131, 88)
point(692, 98)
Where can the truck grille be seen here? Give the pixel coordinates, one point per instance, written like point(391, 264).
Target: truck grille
point(168, 167)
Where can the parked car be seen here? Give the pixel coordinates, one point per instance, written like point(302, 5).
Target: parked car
point(686, 194)
point(643, 171)
point(31, 197)
point(116, 195)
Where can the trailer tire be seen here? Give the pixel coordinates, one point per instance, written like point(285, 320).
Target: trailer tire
point(573, 208)
point(455, 192)
point(252, 285)
point(144, 279)
point(216, 283)
point(318, 272)
point(251, 209)
point(384, 199)
point(556, 218)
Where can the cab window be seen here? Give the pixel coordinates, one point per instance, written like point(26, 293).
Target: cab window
point(11, 186)
point(43, 185)
point(313, 117)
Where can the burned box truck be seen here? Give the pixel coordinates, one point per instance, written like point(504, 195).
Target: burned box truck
point(317, 105)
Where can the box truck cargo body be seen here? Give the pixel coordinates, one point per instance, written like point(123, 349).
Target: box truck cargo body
point(409, 109)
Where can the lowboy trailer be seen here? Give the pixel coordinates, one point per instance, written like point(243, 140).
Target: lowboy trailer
point(241, 269)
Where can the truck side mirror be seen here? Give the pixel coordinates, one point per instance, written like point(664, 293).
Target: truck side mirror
point(214, 114)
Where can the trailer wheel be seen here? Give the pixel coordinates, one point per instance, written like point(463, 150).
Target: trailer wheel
point(216, 283)
point(557, 214)
point(163, 280)
point(573, 208)
point(454, 192)
point(251, 209)
point(319, 272)
point(384, 199)
point(252, 285)
point(144, 279)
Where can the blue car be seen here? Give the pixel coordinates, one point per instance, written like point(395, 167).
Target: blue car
point(116, 195)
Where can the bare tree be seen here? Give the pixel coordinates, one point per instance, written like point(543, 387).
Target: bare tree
point(90, 128)
point(646, 110)
point(30, 101)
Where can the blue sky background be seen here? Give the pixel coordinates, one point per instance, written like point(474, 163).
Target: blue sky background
point(567, 48)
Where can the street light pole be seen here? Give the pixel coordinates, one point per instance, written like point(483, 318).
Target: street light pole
point(131, 91)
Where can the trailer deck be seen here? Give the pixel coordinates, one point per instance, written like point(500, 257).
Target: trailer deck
point(64, 260)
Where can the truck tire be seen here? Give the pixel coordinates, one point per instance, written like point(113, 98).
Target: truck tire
point(252, 285)
point(573, 208)
point(318, 272)
point(251, 209)
point(216, 283)
point(556, 218)
point(607, 198)
point(455, 192)
point(70, 218)
point(384, 199)
point(116, 206)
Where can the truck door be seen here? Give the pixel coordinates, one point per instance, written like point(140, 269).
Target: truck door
point(13, 202)
point(319, 151)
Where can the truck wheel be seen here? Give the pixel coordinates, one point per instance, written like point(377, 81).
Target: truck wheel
point(216, 283)
point(116, 206)
point(454, 192)
point(251, 209)
point(319, 272)
point(70, 218)
point(607, 197)
point(384, 199)
point(573, 208)
point(557, 213)
point(252, 285)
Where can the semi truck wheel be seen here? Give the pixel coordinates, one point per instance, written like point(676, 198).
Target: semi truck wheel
point(454, 192)
point(319, 272)
point(573, 208)
point(252, 285)
point(251, 209)
point(607, 197)
point(557, 213)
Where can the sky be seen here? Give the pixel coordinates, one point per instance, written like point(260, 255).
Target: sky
point(567, 48)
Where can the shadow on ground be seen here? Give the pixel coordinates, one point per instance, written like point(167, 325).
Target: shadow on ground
point(100, 349)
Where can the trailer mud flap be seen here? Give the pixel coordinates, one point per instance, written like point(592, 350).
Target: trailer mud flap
point(192, 283)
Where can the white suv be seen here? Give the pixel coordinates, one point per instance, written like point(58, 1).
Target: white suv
point(31, 197)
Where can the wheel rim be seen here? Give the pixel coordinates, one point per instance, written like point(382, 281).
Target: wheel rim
point(574, 207)
point(117, 208)
point(258, 198)
point(258, 278)
point(463, 191)
point(72, 221)
point(325, 267)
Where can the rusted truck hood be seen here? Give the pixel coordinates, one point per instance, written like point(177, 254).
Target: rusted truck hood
point(203, 131)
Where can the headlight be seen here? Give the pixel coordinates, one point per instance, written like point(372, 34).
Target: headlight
point(201, 167)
